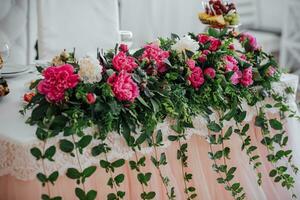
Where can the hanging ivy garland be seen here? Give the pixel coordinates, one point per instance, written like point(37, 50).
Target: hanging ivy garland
point(130, 94)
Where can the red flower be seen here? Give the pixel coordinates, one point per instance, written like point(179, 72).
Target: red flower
point(196, 78)
point(28, 96)
point(211, 72)
point(214, 42)
point(90, 98)
point(123, 87)
point(57, 80)
point(154, 53)
point(123, 62)
point(123, 47)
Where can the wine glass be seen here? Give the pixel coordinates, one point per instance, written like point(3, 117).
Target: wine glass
point(4, 51)
point(126, 38)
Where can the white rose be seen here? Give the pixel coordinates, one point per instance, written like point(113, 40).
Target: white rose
point(185, 43)
point(90, 70)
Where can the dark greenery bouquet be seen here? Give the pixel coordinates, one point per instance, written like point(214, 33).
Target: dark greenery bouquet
point(178, 78)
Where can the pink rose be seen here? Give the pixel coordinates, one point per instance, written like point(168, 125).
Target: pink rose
point(196, 78)
point(123, 62)
point(210, 72)
point(123, 47)
point(271, 71)
point(250, 42)
point(231, 64)
point(90, 98)
point(154, 53)
point(235, 78)
point(123, 87)
point(56, 81)
point(191, 64)
point(246, 79)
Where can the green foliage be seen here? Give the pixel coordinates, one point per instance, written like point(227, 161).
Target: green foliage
point(162, 96)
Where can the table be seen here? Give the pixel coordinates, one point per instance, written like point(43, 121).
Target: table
point(18, 168)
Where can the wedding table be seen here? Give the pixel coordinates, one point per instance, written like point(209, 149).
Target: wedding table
point(18, 167)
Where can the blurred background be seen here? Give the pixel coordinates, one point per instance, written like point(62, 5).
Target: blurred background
point(35, 29)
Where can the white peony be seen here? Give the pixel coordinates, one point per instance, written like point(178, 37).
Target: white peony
point(90, 70)
point(185, 43)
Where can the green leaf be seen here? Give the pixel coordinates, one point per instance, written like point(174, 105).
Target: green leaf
point(275, 124)
point(273, 173)
point(97, 150)
point(231, 170)
point(112, 196)
point(91, 195)
point(80, 193)
point(41, 177)
point(138, 53)
point(245, 129)
point(87, 172)
point(41, 134)
point(228, 133)
point(66, 146)
point(213, 126)
point(39, 112)
point(85, 141)
point(104, 164)
point(49, 153)
point(36, 153)
point(142, 101)
point(73, 173)
point(173, 138)
point(53, 177)
point(118, 163)
point(159, 137)
point(119, 179)
point(141, 139)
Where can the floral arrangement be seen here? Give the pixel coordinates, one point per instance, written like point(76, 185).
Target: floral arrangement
point(130, 93)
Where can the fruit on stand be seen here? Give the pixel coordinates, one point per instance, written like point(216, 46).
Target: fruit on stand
point(218, 14)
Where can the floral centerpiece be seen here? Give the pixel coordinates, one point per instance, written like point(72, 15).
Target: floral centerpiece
point(178, 78)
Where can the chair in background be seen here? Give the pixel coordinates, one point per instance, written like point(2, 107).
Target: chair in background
point(250, 17)
point(13, 27)
point(84, 25)
point(290, 45)
point(149, 19)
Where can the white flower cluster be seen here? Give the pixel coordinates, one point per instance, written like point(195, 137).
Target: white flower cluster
point(185, 43)
point(90, 70)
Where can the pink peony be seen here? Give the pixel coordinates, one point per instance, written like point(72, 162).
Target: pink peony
point(123, 87)
point(154, 53)
point(191, 64)
point(231, 64)
point(235, 78)
point(203, 38)
point(271, 71)
point(246, 79)
point(231, 47)
point(56, 81)
point(203, 57)
point(90, 98)
point(211, 72)
point(123, 62)
point(250, 40)
point(214, 42)
point(123, 47)
point(196, 78)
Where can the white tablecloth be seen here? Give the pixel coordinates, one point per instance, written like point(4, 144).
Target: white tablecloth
point(16, 137)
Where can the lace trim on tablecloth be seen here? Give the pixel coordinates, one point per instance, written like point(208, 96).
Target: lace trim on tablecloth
point(17, 161)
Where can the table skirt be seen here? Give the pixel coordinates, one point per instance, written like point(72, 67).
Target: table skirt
point(204, 178)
